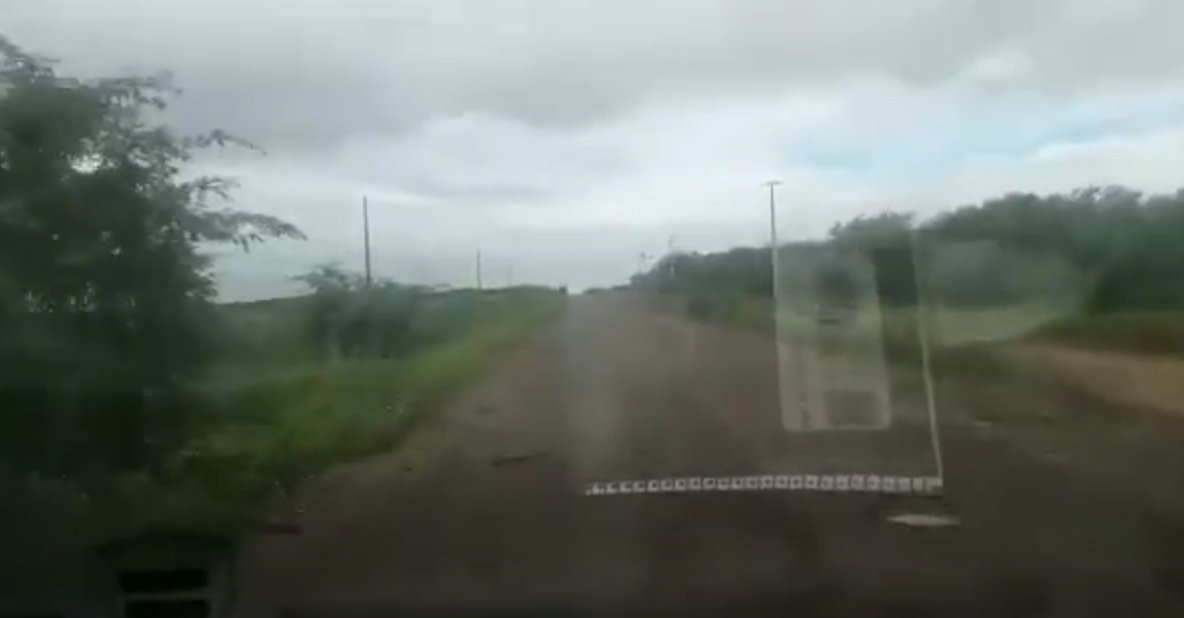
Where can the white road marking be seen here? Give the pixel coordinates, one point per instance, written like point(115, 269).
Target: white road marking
point(867, 483)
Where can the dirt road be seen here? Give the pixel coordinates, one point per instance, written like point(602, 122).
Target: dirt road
point(483, 512)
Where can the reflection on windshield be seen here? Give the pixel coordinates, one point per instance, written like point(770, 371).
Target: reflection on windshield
point(967, 412)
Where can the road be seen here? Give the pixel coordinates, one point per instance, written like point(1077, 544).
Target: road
point(483, 511)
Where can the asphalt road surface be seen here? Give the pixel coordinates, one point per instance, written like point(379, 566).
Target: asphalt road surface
point(483, 513)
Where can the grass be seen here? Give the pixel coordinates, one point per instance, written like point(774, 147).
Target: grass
point(967, 350)
point(1146, 332)
point(953, 326)
point(947, 325)
point(954, 335)
point(272, 424)
point(307, 419)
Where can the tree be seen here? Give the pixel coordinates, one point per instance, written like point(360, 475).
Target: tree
point(333, 291)
point(106, 308)
point(1103, 249)
point(348, 317)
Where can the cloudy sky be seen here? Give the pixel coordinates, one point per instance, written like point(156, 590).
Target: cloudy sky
point(565, 137)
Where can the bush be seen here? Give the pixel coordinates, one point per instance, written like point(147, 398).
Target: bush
point(272, 429)
point(106, 312)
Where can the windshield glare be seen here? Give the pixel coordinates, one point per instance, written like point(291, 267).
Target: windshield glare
point(553, 308)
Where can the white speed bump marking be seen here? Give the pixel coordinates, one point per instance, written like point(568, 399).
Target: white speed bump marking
point(868, 483)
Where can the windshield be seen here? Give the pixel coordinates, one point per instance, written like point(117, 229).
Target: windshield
point(806, 308)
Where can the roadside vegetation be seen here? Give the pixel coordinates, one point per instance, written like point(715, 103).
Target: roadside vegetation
point(342, 373)
point(128, 395)
point(1054, 323)
point(1096, 270)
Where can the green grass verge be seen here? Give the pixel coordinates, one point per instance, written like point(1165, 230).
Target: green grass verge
point(320, 416)
point(282, 425)
point(1147, 332)
point(975, 377)
point(961, 341)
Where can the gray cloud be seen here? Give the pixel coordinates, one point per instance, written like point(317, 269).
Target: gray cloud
point(312, 74)
point(569, 135)
point(478, 194)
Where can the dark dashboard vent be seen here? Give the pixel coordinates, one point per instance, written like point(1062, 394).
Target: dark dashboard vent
point(173, 608)
point(174, 580)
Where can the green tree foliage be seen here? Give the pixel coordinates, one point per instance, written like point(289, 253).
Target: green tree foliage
point(106, 310)
point(1108, 248)
point(702, 278)
point(1122, 244)
point(349, 318)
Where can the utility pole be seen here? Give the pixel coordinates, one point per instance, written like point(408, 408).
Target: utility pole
point(366, 229)
point(480, 286)
point(642, 262)
point(670, 255)
point(797, 403)
point(772, 185)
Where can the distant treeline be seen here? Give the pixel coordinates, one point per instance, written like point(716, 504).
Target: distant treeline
point(344, 316)
point(1105, 250)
